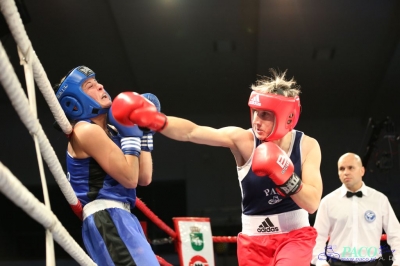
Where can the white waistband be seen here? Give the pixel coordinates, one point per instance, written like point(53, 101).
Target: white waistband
point(102, 204)
point(274, 224)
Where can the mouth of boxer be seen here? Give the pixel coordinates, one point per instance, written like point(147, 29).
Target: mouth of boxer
point(258, 131)
point(104, 96)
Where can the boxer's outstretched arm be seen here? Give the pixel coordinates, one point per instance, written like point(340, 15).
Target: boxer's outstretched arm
point(184, 130)
point(310, 195)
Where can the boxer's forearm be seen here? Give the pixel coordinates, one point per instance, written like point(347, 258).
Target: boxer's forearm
point(308, 198)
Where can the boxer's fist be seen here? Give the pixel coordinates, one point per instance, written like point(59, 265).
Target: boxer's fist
point(269, 159)
point(147, 139)
point(154, 100)
point(130, 135)
point(123, 130)
point(130, 108)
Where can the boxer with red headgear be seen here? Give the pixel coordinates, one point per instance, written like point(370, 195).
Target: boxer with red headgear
point(278, 169)
point(286, 111)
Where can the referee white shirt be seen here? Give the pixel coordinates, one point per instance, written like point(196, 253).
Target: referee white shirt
point(354, 226)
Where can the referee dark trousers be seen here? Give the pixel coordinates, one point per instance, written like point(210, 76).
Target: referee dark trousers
point(336, 262)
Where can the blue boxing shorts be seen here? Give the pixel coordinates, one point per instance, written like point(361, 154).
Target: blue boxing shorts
point(114, 236)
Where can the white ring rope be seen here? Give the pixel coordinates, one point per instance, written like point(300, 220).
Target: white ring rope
point(13, 19)
point(18, 98)
point(30, 85)
point(12, 188)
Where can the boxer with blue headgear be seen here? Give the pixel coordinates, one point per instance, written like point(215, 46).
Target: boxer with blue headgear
point(74, 101)
point(103, 167)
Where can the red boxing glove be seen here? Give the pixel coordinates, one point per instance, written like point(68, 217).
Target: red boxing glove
point(269, 159)
point(130, 108)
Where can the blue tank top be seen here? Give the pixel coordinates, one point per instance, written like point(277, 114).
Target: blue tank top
point(90, 181)
point(259, 196)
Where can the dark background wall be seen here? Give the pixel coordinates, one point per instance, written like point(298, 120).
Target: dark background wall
point(200, 58)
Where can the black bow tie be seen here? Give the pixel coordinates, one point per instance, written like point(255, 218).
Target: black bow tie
point(351, 194)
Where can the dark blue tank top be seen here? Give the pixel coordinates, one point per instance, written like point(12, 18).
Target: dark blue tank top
point(90, 181)
point(259, 196)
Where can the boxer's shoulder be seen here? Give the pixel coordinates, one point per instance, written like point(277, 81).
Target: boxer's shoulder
point(308, 145)
point(243, 139)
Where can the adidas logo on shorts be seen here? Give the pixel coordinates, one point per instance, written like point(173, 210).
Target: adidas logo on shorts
point(267, 226)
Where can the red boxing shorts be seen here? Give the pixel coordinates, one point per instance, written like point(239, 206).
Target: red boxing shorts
point(288, 249)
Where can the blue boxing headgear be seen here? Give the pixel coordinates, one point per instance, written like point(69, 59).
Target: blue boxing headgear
point(76, 104)
point(153, 99)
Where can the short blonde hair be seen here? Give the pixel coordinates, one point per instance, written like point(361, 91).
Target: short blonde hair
point(277, 84)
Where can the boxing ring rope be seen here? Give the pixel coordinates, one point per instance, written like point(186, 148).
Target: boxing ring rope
point(13, 19)
point(157, 221)
point(10, 185)
point(154, 218)
point(13, 189)
point(18, 99)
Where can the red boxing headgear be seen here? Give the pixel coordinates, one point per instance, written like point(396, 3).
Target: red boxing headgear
point(285, 109)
